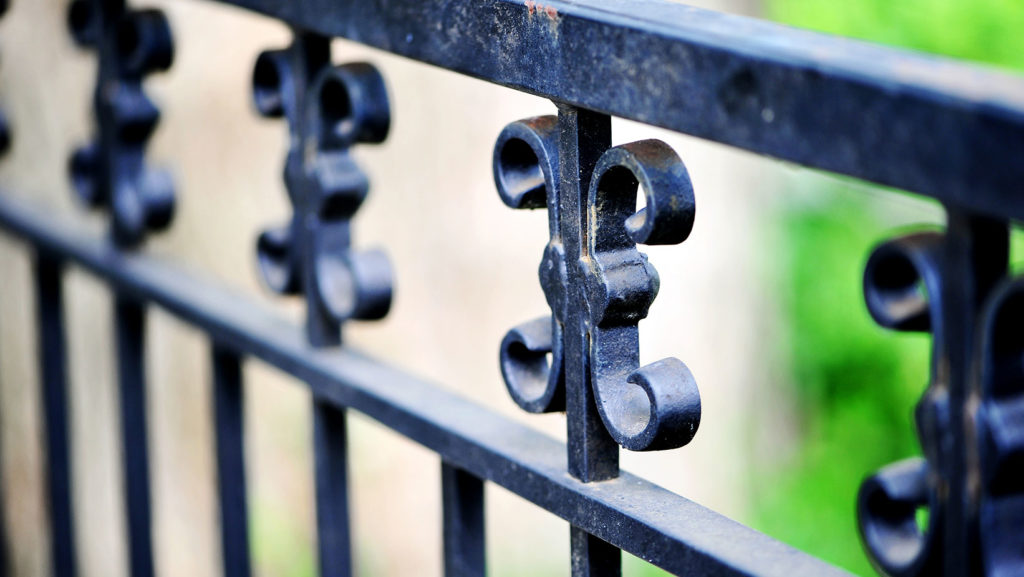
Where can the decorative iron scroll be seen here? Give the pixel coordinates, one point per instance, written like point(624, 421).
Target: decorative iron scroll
point(111, 171)
point(953, 285)
point(653, 407)
point(329, 109)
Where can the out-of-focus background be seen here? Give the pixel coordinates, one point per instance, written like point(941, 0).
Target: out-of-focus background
point(803, 395)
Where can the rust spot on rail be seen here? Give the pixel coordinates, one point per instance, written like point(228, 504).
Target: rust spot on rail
point(548, 13)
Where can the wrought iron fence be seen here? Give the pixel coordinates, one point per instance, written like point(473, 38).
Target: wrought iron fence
point(924, 125)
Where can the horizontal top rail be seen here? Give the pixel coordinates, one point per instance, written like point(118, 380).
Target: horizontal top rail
point(631, 513)
point(924, 124)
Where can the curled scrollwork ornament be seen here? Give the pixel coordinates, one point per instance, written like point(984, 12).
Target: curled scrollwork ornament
point(970, 420)
point(329, 109)
point(903, 291)
point(656, 406)
point(643, 408)
point(111, 172)
point(526, 173)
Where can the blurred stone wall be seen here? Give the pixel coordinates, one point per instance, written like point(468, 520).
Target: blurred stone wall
point(466, 273)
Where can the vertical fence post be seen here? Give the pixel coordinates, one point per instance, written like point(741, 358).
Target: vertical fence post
point(949, 284)
point(463, 511)
point(5, 142)
point(583, 137)
point(53, 371)
point(5, 568)
point(976, 255)
point(130, 335)
point(598, 287)
point(4, 556)
point(330, 447)
point(228, 396)
point(593, 454)
point(329, 109)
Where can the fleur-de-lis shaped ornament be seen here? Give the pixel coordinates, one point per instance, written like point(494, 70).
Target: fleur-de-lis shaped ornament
point(651, 407)
point(970, 420)
point(329, 109)
point(111, 172)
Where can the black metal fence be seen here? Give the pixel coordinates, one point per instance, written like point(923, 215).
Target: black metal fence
point(920, 124)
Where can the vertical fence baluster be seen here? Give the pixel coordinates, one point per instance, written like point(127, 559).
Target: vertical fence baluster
point(5, 142)
point(330, 447)
point(976, 255)
point(593, 455)
point(313, 254)
point(4, 556)
point(53, 371)
point(598, 287)
point(464, 541)
point(229, 422)
point(593, 557)
point(130, 333)
point(583, 137)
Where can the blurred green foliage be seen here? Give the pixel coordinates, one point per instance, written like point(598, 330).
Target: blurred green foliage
point(981, 30)
point(854, 384)
point(281, 547)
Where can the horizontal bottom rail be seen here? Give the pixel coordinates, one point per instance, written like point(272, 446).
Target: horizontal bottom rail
point(635, 515)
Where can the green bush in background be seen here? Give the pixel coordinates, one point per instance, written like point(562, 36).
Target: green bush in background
point(855, 384)
point(982, 30)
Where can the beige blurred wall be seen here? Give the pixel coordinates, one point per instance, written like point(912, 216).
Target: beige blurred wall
point(466, 273)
